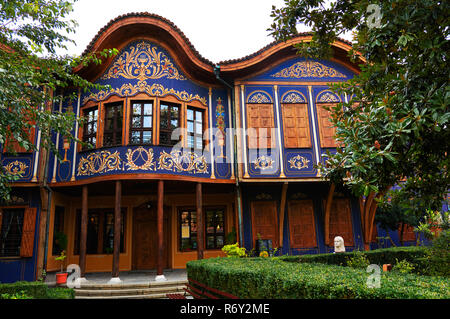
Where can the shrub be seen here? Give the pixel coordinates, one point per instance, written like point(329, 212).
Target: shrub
point(34, 290)
point(438, 256)
point(260, 278)
point(403, 267)
point(412, 254)
point(234, 250)
point(358, 260)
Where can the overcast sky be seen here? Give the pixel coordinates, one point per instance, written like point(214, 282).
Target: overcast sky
point(219, 29)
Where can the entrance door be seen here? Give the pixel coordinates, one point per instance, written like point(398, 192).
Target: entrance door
point(145, 238)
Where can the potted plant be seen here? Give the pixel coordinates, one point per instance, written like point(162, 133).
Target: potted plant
point(61, 277)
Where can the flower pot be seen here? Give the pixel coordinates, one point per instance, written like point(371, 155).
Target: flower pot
point(61, 278)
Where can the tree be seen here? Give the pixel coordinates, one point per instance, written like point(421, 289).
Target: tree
point(395, 130)
point(32, 75)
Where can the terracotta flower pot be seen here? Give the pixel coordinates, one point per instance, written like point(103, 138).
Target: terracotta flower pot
point(61, 278)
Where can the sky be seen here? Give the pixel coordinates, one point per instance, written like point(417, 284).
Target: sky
point(219, 29)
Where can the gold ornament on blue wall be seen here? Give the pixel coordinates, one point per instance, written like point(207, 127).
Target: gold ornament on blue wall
point(263, 162)
point(298, 162)
point(308, 69)
point(99, 162)
point(178, 161)
point(140, 154)
point(143, 62)
point(16, 168)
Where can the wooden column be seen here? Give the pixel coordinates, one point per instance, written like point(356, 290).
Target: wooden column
point(327, 214)
point(83, 235)
point(282, 209)
point(160, 221)
point(200, 234)
point(117, 217)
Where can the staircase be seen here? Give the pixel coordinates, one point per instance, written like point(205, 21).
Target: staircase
point(151, 290)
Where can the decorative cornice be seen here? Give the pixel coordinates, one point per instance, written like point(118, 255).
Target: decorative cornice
point(308, 69)
point(155, 89)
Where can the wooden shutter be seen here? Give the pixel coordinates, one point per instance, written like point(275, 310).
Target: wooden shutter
point(408, 232)
point(326, 130)
point(265, 221)
point(341, 221)
point(296, 126)
point(301, 224)
point(14, 145)
point(29, 225)
point(260, 116)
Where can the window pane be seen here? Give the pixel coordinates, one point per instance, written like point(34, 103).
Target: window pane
point(198, 128)
point(136, 109)
point(147, 137)
point(174, 123)
point(148, 109)
point(190, 114)
point(198, 115)
point(190, 127)
point(136, 122)
point(198, 143)
point(147, 121)
point(190, 141)
point(135, 137)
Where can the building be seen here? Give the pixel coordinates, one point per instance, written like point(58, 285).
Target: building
point(252, 129)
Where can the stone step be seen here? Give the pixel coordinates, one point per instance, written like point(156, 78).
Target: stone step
point(106, 286)
point(128, 292)
point(151, 296)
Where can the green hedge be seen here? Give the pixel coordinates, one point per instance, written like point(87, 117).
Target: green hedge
point(412, 254)
point(34, 290)
point(274, 278)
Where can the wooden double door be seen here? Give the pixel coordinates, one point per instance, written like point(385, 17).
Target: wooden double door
point(145, 238)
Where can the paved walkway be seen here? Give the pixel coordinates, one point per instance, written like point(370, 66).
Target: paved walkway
point(127, 277)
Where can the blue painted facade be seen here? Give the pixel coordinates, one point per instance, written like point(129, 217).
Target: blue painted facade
point(148, 69)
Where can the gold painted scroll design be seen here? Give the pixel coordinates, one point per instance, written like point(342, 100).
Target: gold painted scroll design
point(155, 89)
point(308, 69)
point(143, 62)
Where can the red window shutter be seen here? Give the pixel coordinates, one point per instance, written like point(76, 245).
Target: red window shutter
point(341, 221)
point(408, 232)
point(301, 224)
point(265, 221)
point(326, 130)
point(29, 225)
point(296, 126)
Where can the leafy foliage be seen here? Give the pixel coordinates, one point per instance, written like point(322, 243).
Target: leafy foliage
point(260, 278)
point(395, 128)
point(33, 76)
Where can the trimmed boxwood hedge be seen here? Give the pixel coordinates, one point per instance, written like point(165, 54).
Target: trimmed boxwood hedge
point(413, 254)
point(273, 278)
point(36, 290)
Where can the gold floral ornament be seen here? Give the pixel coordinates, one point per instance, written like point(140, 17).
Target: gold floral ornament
point(178, 161)
point(308, 69)
point(293, 97)
point(298, 162)
point(259, 97)
point(140, 153)
point(99, 162)
point(16, 168)
point(328, 97)
point(263, 162)
point(143, 62)
point(128, 89)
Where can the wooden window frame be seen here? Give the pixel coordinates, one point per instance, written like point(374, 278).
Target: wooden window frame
point(102, 212)
point(115, 130)
point(170, 104)
point(143, 128)
point(84, 134)
point(192, 209)
point(194, 121)
point(216, 234)
point(28, 230)
point(287, 144)
point(320, 112)
point(258, 137)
